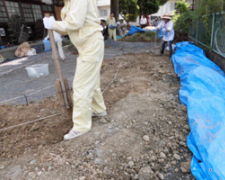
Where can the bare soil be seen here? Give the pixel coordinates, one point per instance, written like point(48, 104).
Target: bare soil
point(146, 127)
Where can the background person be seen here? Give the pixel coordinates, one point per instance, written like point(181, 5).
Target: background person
point(58, 41)
point(81, 23)
point(143, 21)
point(111, 22)
point(167, 26)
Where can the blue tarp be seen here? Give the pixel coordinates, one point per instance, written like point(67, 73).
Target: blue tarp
point(203, 92)
point(134, 29)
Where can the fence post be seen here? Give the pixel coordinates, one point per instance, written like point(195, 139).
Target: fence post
point(212, 33)
point(197, 29)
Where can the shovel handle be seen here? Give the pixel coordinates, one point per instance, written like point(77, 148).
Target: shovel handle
point(57, 63)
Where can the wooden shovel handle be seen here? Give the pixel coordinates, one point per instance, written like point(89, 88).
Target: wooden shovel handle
point(57, 63)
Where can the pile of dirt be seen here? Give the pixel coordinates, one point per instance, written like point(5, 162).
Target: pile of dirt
point(142, 137)
point(140, 37)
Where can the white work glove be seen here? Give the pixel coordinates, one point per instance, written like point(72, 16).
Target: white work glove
point(48, 22)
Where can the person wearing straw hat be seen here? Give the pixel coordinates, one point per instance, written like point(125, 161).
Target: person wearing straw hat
point(168, 32)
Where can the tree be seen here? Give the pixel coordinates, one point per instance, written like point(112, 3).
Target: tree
point(162, 2)
point(182, 17)
point(148, 6)
point(210, 6)
point(115, 8)
point(182, 7)
point(128, 10)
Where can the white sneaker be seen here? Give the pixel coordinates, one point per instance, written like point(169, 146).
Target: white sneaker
point(73, 134)
point(104, 113)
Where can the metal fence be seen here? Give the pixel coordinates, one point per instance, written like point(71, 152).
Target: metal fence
point(209, 31)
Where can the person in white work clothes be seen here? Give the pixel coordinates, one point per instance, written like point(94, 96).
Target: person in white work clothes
point(111, 21)
point(58, 41)
point(143, 21)
point(168, 32)
point(80, 21)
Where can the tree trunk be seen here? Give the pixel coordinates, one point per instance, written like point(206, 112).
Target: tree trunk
point(115, 8)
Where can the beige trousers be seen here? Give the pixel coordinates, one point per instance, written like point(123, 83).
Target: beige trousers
point(112, 33)
point(86, 85)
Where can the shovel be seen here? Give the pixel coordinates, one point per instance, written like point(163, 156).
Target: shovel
point(61, 84)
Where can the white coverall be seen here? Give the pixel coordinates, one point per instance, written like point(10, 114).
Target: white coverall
point(80, 22)
point(112, 32)
point(58, 41)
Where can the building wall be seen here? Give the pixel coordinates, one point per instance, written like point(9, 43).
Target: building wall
point(103, 12)
point(103, 3)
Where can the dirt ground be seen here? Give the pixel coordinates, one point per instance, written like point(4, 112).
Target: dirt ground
point(142, 137)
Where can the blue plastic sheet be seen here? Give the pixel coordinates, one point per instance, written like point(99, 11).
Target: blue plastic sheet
point(203, 92)
point(134, 29)
point(47, 45)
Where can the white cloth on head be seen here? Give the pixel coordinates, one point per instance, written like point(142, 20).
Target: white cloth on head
point(167, 26)
point(48, 22)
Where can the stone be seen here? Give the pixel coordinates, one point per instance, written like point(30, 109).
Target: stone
point(82, 178)
point(33, 162)
point(2, 167)
point(131, 164)
point(176, 156)
point(60, 161)
point(129, 158)
point(146, 138)
point(174, 162)
point(35, 127)
point(176, 170)
point(145, 173)
point(185, 167)
point(187, 127)
point(39, 173)
point(169, 145)
point(161, 160)
point(153, 158)
point(110, 127)
point(107, 171)
point(161, 176)
point(32, 174)
point(90, 156)
point(102, 120)
point(99, 152)
point(162, 155)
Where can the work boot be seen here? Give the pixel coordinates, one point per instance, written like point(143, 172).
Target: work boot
point(73, 134)
point(104, 113)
